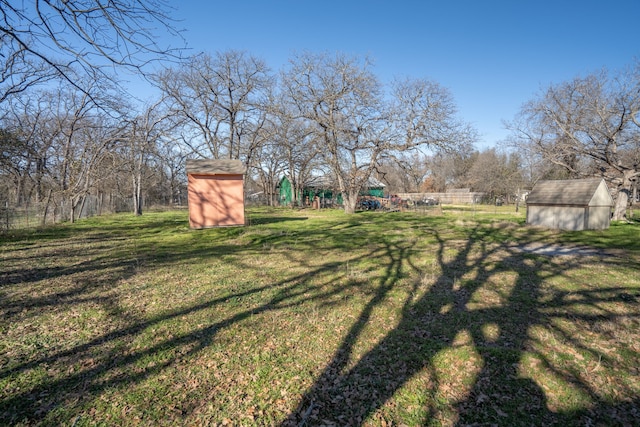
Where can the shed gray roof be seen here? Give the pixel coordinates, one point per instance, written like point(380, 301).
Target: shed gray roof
point(215, 167)
point(570, 192)
point(324, 181)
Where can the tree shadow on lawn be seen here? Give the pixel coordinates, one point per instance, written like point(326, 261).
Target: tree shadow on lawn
point(436, 318)
point(475, 355)
point(103, 362)
point(261, 219)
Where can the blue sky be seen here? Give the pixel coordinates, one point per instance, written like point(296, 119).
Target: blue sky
point(492, 55)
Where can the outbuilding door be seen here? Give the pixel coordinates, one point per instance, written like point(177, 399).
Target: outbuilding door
point(215, 200)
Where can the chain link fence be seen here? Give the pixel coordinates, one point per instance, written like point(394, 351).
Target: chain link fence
point(40, 214)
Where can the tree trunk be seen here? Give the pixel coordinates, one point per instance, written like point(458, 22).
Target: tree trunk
point(72, 207)
point(622, 199)
point(99, 202)
point(20, 190)
point(621, 205)
point(294, 193)
point(82, 202)
point(45, 211)
point(350, 200)
point(137, 195)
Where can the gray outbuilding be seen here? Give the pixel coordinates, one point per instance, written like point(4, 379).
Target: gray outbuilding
point(576, 204)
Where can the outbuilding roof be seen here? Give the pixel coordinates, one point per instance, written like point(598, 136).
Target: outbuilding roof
point(326, 181)
point(375, 183)
point(215, 167)
point(571, 192)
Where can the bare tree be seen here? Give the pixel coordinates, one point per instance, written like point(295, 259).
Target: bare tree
point(63, 136)
point(342, 99)
point(425, 116)
point(588, 126)
point(14, 162)
point(26, 146)
point(406, 172)
point(451, 169)
point(221, 99)
point(355, 125)
point(172, 157)
point(45, 39)
point(87, 135)
point(296, 142)
point(498, 174)
point(269, 165)
point(145, 133)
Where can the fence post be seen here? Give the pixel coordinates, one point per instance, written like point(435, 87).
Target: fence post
point(6, 215)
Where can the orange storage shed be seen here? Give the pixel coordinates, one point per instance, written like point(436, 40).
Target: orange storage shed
point(216, 192)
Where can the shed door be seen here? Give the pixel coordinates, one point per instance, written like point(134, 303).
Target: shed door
point(216, 200)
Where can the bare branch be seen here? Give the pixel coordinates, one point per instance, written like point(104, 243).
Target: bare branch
point(46, 39)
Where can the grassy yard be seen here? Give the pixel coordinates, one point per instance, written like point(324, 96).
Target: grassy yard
point(319, 318)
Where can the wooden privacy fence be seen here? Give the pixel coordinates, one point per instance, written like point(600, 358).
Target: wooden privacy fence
point(452, 197)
